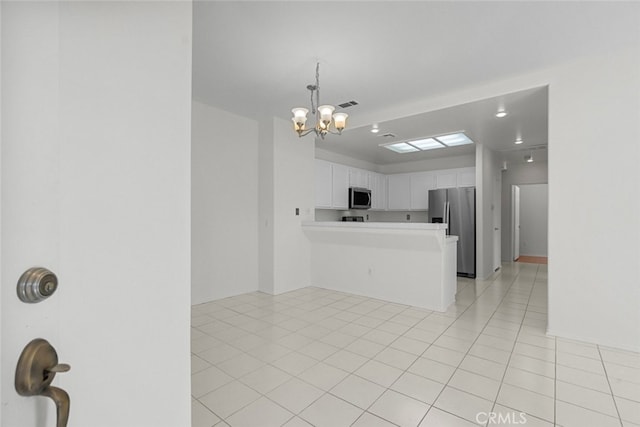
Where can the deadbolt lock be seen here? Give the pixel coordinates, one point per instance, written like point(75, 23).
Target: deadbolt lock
point(36, 284)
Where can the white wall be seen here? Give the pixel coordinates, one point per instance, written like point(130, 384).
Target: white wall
point(106, 205)
point(517, 174)
point(487, 166)
point(286, 174)
point(344, 160)
point(534, 208)
point(266, 206)
point(293, 183)
point(224, 204)
point(439, 163)
point(594, 153)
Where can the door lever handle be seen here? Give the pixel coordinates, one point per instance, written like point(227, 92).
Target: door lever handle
point(37, 366)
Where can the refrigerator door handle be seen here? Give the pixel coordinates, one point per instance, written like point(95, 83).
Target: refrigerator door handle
point(446, 216)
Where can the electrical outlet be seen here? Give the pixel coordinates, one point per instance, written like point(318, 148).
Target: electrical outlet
point(297, 211)
point(408, 217)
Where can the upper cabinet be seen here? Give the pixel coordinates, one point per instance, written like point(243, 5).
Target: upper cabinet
point(399, 192)
point(323, 184)
point(467, 177)
point(340, 186)
point(332, 185)
point(359, 178)
point(421, 183)
point(378, 187)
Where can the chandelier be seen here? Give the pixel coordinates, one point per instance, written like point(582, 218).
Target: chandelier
point(325, 117)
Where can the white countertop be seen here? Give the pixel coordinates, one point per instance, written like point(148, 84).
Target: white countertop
point(378, 225)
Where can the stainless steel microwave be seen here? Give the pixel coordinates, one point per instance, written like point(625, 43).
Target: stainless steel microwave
point(359, 198)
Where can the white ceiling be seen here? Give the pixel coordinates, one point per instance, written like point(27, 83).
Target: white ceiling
point(256, 58)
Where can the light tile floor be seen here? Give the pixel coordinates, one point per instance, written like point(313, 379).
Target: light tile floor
point(315, 357)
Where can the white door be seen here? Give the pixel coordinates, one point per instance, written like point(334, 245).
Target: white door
point(95, 186)
point(515, 197)
point(497, 218)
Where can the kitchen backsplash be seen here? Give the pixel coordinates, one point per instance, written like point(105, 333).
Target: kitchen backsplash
point(373, 216)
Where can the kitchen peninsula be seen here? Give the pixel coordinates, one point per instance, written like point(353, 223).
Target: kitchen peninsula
point(406, 263)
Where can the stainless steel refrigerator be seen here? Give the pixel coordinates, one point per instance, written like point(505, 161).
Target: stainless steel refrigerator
point(457, 207)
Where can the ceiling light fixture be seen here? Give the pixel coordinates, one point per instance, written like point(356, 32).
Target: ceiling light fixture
point(518, 141)
point(324, 114)
point(501, 113)
point(528, 158)
point(429, 143)
point(375, 129)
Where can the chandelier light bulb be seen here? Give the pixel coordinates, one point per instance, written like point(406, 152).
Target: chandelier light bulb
point(299, 118)
point(325, 113)
point(340, 121)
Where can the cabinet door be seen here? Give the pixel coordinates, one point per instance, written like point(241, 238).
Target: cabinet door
point(399, 191)
point(421, 183)
point(340, 186)
point(323, 184)
point(467, 177)
point(359, 178)
point(378, 184)
point(446, 180)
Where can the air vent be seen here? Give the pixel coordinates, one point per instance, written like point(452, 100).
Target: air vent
point(388, 135)
point(347, 104)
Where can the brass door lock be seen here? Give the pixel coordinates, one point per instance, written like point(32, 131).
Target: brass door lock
point(37, 367)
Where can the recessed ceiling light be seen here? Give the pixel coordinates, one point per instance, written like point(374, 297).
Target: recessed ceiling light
point(501, 113)
point(375, 129)
point(518, 141)
point(454, 139)
point(401, 147)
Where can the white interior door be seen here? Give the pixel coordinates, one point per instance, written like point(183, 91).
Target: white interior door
point(95, 186)
point(515, 197)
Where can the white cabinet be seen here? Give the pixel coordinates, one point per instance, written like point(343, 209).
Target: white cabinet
point(378, 184)
point(332, 185)
point(421, 183)
point(359, 178)
point(467, 177)
point(399, 191)
point(339, 186)
point(323, 184)
point(446, 180)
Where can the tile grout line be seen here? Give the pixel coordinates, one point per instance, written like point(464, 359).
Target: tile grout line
point(615, 403)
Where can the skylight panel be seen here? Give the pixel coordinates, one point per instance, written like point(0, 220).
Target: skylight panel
point(454, 139)
point(401, 147)
point(426, 144)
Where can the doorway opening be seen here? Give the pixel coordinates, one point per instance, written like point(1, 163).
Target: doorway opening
point(530, 223)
